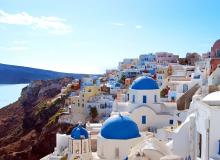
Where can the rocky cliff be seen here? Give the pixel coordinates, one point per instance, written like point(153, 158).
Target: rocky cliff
point(28, 127)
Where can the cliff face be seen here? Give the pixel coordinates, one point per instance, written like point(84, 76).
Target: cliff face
point(28, 127)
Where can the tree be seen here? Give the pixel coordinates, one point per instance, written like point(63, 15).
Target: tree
point(93, 112)
point(122, 80)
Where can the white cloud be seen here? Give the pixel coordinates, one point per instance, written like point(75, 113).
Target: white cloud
point(15, 48)
point(53, 24)
point(138, 26)
point(117, 24)
point(20, 42)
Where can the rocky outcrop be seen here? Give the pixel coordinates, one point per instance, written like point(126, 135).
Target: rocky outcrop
point(29, 126)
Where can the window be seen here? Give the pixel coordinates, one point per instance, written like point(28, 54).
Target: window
point(128, 97)
point(218, 147)
point(133, 98)
point(199, 143)
point(70, 147)
point(171, 122)
point(218, 53)
point(144, 120)
point(185, 88)
point(77, 148)
point(144, 99)
point(155, 98)
point(84, 147)
point(102, 106)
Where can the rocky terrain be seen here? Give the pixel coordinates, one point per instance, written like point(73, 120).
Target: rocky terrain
point(28, 127)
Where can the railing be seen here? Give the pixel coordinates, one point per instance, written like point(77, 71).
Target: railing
point(184, 101)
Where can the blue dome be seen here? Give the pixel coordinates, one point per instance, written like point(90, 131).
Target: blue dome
point(152, 71)
point(119, 127)
point(144, 83)
point(79, 132)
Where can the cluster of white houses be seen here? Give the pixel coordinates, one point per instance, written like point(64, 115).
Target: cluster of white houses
point(145, 123)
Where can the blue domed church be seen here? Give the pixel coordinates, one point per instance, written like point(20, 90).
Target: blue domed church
point(77, 145)
point(117, 136)
point(144, 105)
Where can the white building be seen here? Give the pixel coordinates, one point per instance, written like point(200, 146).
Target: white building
point(117, 136)
point(87, 81)
point(179, 84)
point(166, 58)
point(103, 104)
point(74, 146)
point(199, 136)
point(214, 78)
point(144, 105)
point(147, 62)
point(130, 73)
point(205, 67)
point(127, 63)
point(113, 85)
point(151, 149)
point(160, 79)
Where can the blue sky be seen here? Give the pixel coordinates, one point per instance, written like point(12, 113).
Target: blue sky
point(94, 35)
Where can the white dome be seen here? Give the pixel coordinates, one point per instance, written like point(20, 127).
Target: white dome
point(212, 99)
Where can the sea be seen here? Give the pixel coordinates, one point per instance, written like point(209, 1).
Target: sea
point(9, 93)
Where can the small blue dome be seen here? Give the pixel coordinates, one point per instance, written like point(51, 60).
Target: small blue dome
point(79, 132)
point(119, 127)
point(152, 71)
point(144, 83)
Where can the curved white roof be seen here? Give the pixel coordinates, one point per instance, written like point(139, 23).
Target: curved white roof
point(212, 99)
